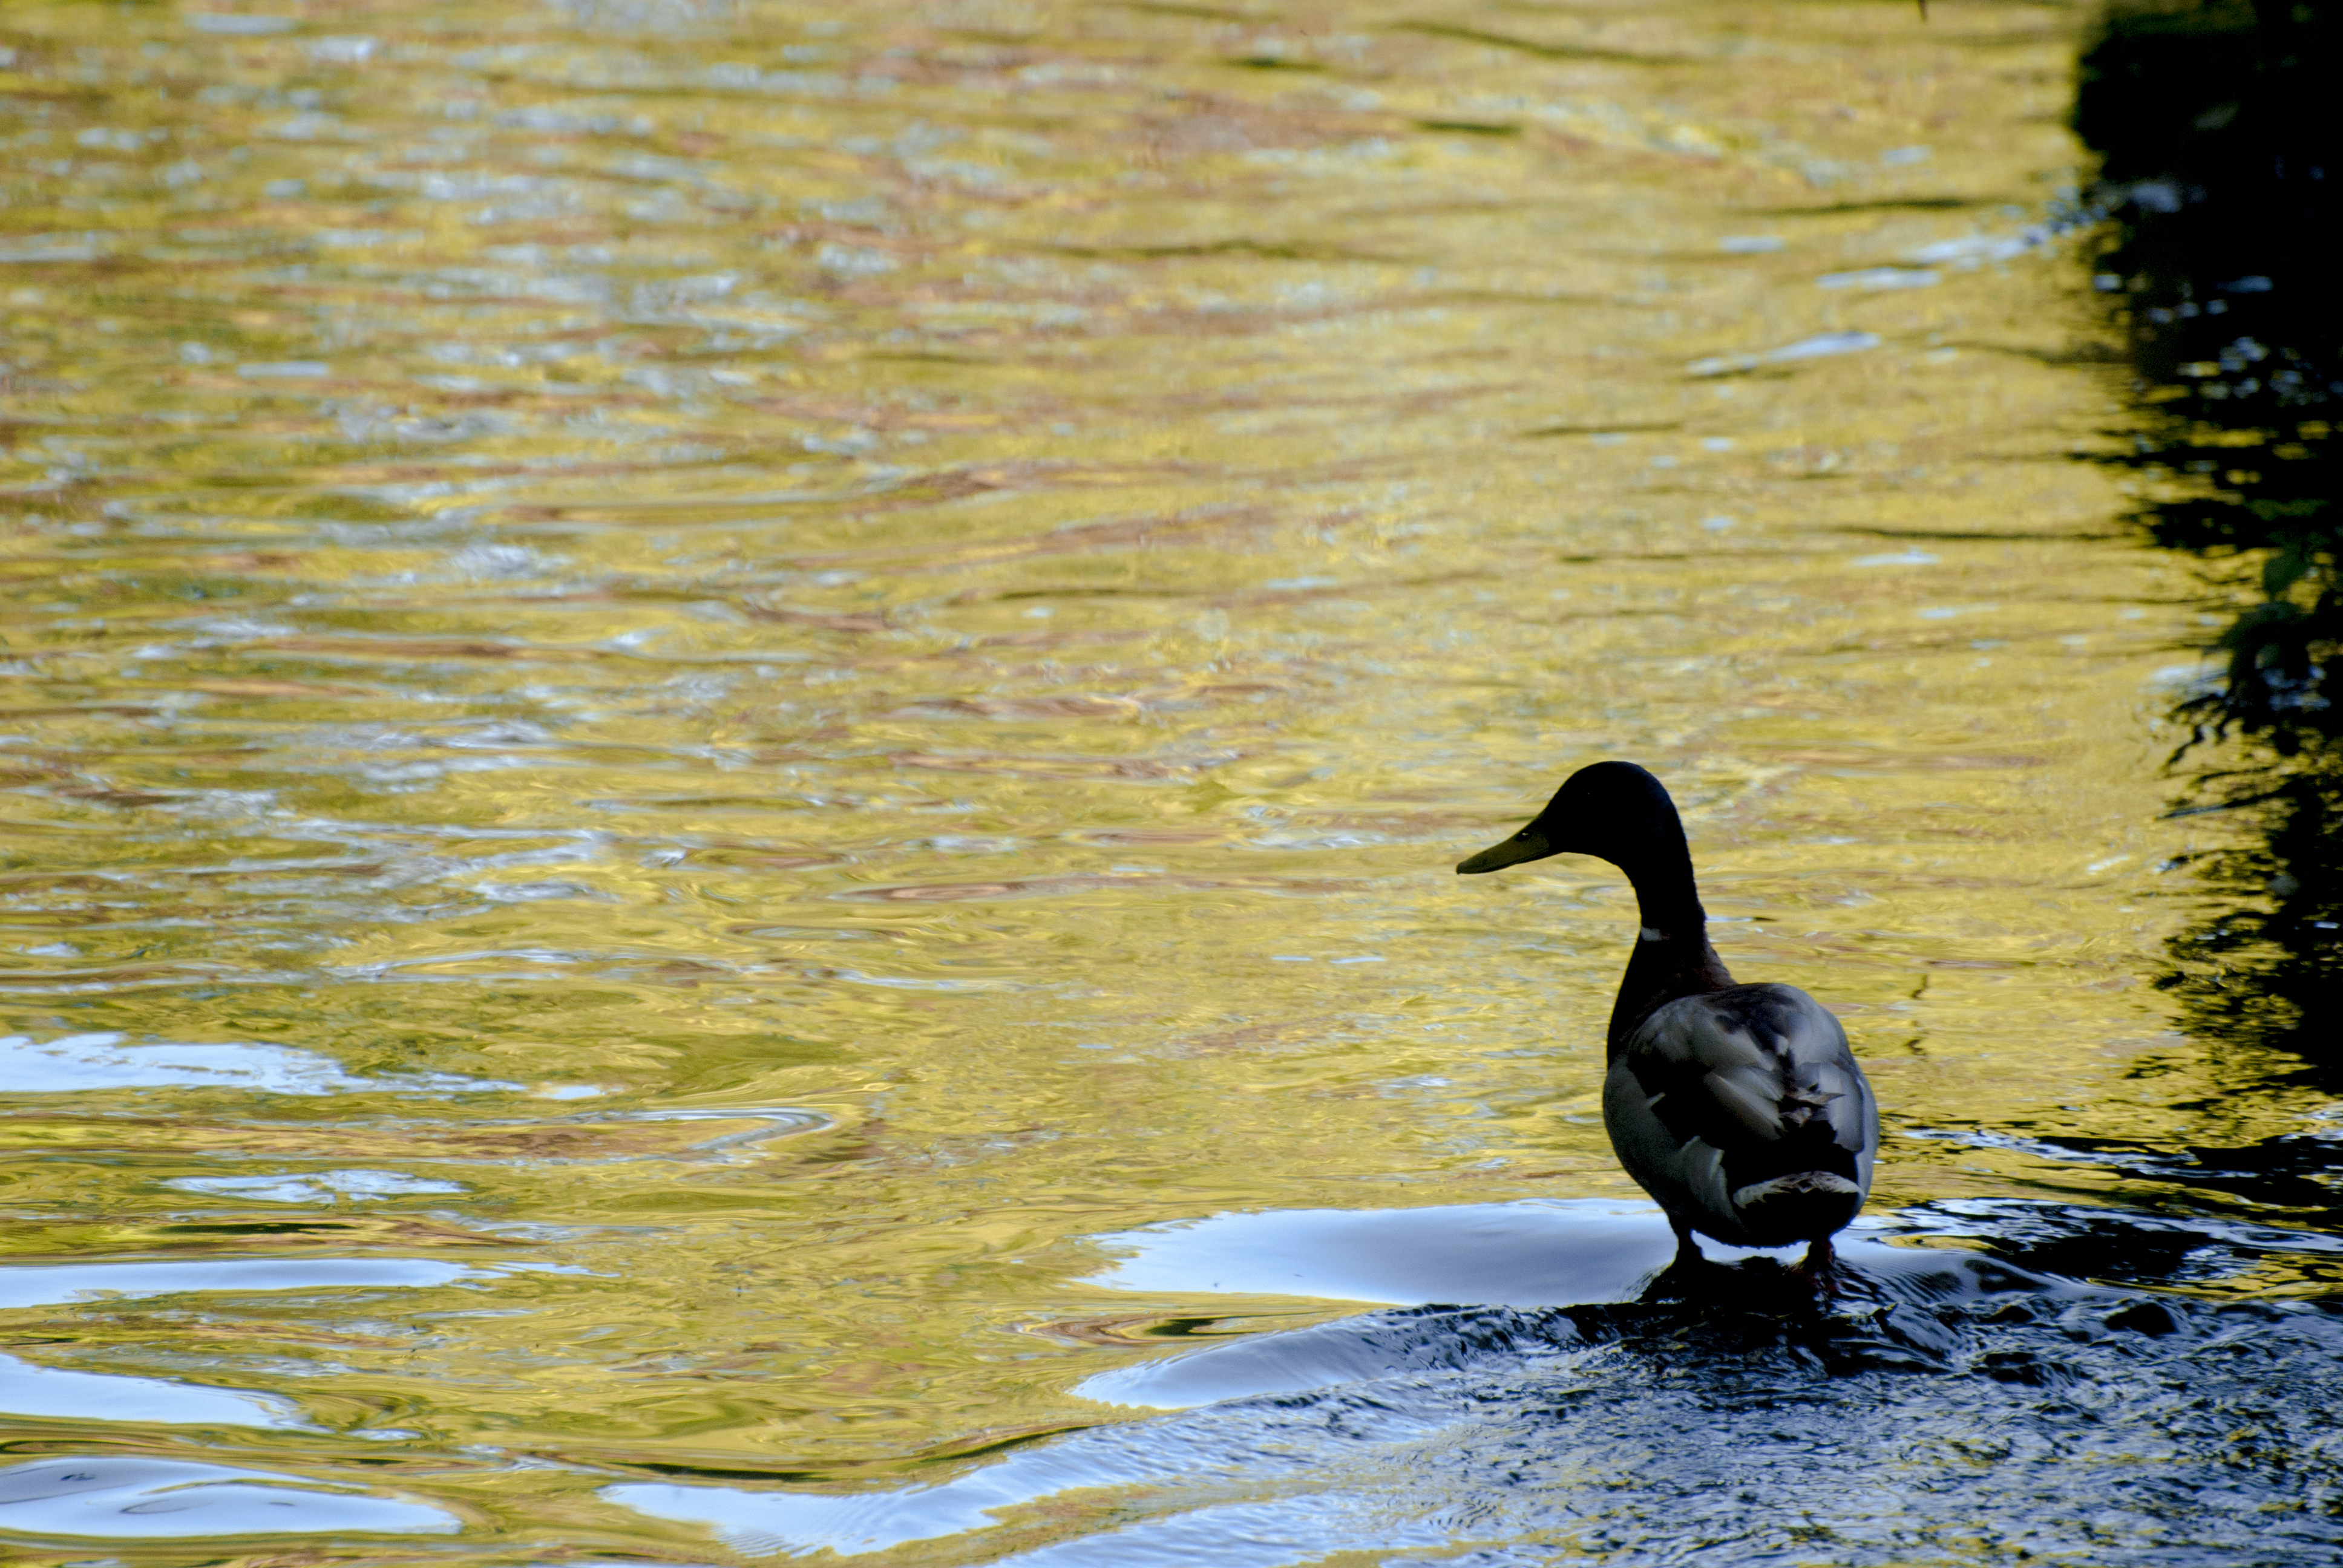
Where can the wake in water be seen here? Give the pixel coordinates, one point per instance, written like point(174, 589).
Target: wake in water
point(1945, 1404)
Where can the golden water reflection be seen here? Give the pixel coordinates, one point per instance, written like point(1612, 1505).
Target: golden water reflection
point(723, 675)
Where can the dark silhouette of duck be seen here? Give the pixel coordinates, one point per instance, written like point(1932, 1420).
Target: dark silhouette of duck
point(1738, 1108)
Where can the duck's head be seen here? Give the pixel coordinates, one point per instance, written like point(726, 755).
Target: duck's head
point(1613, 810)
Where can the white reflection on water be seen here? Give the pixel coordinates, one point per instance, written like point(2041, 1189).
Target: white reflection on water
point(75, 1063)
point(55, 1392)
point(1872, 278)
point(55, 1284)
point(771, 1523)
point(1528, 1254)
point(314, 1186)
point(1815, 347)
point(168, 1500)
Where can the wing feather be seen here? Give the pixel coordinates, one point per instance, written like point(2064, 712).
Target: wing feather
point(1728, 1088)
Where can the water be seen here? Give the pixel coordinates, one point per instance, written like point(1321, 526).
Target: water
point(2218, 144)
point(734, 735)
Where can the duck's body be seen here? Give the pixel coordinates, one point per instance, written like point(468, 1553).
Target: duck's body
point(1738, 1108)
point(1742, 1113)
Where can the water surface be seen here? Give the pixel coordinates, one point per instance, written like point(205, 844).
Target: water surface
point(728, 728)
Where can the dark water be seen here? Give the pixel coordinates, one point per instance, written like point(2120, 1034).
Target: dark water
point(2221, 171)
point(732, 733)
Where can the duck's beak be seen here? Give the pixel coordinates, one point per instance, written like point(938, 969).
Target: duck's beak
point(1529, 844)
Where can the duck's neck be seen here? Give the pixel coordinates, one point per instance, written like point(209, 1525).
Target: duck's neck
point(1672, 957)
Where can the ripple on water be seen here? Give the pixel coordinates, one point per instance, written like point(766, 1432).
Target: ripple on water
point(30, 1390)
point(1726, 1410)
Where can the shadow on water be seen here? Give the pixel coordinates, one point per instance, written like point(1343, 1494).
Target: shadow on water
point(2217, 131)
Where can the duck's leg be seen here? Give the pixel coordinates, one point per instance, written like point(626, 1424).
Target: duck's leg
point(1686, 1273)
point(1820, 1265)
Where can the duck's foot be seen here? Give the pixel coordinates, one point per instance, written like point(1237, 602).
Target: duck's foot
point(1822, 1268)
point(1688, 1253)
point(1686, 1272)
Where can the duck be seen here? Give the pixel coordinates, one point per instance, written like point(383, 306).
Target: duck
point(1739, 1108)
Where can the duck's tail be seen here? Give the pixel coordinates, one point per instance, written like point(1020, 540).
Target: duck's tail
point(1803, 1206)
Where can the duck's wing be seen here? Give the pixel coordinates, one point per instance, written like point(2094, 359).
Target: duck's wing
point(1741, 1088)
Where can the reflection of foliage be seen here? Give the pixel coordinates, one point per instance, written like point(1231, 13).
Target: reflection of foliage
point(2268, 972)
point(2217, 129)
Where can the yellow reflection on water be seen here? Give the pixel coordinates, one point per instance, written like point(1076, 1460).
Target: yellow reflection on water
point(752, 666)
